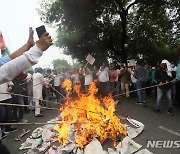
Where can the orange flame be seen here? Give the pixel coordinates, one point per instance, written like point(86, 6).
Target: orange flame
point(90, 117)
point(67, 84)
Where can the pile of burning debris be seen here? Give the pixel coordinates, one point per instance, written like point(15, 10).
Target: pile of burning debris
point(85, 123)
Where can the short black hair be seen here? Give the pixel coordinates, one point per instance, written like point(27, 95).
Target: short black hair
point(140, 62)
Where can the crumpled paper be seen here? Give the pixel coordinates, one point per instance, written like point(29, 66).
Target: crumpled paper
point(133, 122)
point(68, 148)
point(134, 132)
point(111, 151)
point(94, 147)
point(44, 146)
point(79, 151)
point(52, 151)
point(31, 143)
point(49, 126)
point(144, 151)
point(47, 135)
point(127, 146)
point(37, 132)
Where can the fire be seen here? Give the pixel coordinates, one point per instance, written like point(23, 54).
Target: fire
point(89, 117)
point(67, 84)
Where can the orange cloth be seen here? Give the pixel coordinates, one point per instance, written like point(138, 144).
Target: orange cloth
point(2, 44)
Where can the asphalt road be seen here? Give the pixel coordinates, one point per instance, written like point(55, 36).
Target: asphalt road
point(158, 127)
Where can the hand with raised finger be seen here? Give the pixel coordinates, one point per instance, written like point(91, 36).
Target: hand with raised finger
point(30, 41)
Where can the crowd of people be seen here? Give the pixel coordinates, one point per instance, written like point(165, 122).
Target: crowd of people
point(36, 87)
point(42, 84)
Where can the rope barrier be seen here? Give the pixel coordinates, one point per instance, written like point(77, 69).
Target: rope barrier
point(144, 88)
point(58, 92)
point(20, 105)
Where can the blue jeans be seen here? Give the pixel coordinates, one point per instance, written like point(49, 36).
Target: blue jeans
point(20, 109)
point(160, 93)
point(141, 93)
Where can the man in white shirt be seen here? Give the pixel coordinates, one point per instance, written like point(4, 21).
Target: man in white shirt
point(75, 77)
point(88, 79)
point(58, 79)
point(103, 81)
point(38, 82)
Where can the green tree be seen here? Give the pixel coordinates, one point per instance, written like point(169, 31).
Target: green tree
point(117, 29)
point(60, 64)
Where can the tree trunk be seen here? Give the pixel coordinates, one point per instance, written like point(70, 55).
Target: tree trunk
point(123, 16)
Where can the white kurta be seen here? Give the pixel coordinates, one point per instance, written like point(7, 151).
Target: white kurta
point(38, 82)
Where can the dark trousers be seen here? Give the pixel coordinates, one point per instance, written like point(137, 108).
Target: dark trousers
point(148, 90)
point(58, 88)
point(103, 88)
point(177, 98)
point(5, 113)
point(18, 111)
point(26, 102)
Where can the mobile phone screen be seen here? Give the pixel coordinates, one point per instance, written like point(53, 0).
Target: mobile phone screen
point(40, 30)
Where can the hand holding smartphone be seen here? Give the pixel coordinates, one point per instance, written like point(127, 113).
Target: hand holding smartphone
point(44, 41)
point(40, 30)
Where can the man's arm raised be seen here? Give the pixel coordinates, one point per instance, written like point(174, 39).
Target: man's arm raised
point(11, 69)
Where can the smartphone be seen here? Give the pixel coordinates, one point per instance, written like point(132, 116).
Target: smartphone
point(40, 30)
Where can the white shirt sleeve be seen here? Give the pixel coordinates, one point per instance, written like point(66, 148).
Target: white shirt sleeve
point(11, 69)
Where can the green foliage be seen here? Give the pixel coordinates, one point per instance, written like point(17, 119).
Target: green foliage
point(63, 64)
point(117, 29)
point(60, 64)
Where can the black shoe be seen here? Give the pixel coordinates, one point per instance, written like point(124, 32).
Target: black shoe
point(157, 110)
point(140, 103)
point(170, 112)
point(11, 130)
point(4, 135)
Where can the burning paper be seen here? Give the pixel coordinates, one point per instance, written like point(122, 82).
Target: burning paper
point(90, 116)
